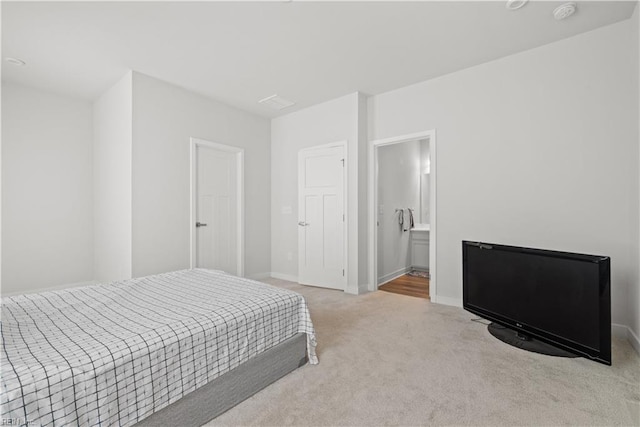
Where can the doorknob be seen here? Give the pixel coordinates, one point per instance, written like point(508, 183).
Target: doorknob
point(303, 224)
point(200, 224)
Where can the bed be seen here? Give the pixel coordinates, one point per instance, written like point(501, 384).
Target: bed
point(178, 347)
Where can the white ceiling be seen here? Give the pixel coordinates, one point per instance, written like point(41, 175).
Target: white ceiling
point(308, 52)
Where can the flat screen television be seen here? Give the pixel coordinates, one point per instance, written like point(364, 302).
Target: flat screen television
point(558, 299)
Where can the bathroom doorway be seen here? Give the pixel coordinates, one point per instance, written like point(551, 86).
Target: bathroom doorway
point(402, 215)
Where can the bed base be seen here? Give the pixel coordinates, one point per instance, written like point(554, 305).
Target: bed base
point(225, 392)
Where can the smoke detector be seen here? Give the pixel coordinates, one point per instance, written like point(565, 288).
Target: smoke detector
point(276, 102)
point(515, 4)
point(564, 11)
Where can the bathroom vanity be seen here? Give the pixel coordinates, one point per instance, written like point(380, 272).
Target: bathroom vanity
point(420, 247)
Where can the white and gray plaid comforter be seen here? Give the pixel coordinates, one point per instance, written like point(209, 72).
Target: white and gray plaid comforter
point(113, 354)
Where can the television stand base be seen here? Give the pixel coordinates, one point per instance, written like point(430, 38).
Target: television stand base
point(525, 342)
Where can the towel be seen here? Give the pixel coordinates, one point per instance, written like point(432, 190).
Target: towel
point(405, 224)
point(411, 223)
point(401, 219)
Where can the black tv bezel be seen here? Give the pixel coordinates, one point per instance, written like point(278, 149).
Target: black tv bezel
point(603, 355)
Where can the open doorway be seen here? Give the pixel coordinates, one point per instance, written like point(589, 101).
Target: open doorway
point(402, 215)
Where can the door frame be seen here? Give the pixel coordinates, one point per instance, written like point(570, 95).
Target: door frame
point(373, 203)
point(345, 207)
point(194, 143)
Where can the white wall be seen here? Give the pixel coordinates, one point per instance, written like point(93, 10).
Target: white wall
point(362, 207)
point(165, 117)
point(398, 188)
point(536, 149)
point(634, 291)
point(0, 176)
point(425, 181)
point(112, 130)
point(47, 238)
point(333, 121)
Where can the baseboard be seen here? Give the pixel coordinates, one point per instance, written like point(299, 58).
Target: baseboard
point(620, 331)
point(259, 276)
point(283, 276)
point(52, 288)
point(625, 332)
point(392, 276)
point(363, 288)
point(633, 340)
point(454, 302)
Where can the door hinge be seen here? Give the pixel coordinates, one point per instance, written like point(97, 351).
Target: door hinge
point(343, 271)
point(342, 217)
point(342, 160)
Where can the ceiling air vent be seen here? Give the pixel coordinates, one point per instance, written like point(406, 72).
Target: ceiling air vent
point(564, 11)
point(276, 102)
point(515, 4)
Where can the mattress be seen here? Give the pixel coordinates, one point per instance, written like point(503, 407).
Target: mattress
point(113, 354)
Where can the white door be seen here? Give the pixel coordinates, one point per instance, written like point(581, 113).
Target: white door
point(321, 217)
point(216, 209)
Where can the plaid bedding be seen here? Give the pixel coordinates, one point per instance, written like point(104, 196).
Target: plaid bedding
point(113, 354)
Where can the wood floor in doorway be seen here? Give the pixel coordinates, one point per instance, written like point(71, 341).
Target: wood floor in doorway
point(408, 285)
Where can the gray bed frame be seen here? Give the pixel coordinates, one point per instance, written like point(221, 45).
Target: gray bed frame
point(226, 391)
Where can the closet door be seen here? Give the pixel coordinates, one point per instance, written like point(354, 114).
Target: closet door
point(321, 217)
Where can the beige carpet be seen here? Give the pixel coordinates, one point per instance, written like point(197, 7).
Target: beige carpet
point(388, 359)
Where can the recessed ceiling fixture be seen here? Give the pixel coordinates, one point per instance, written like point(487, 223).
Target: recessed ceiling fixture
point(276, 102)
point(564, 11)
point(515, 4)
point(15, 61)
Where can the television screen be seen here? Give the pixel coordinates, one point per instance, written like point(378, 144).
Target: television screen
point(560, 298)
